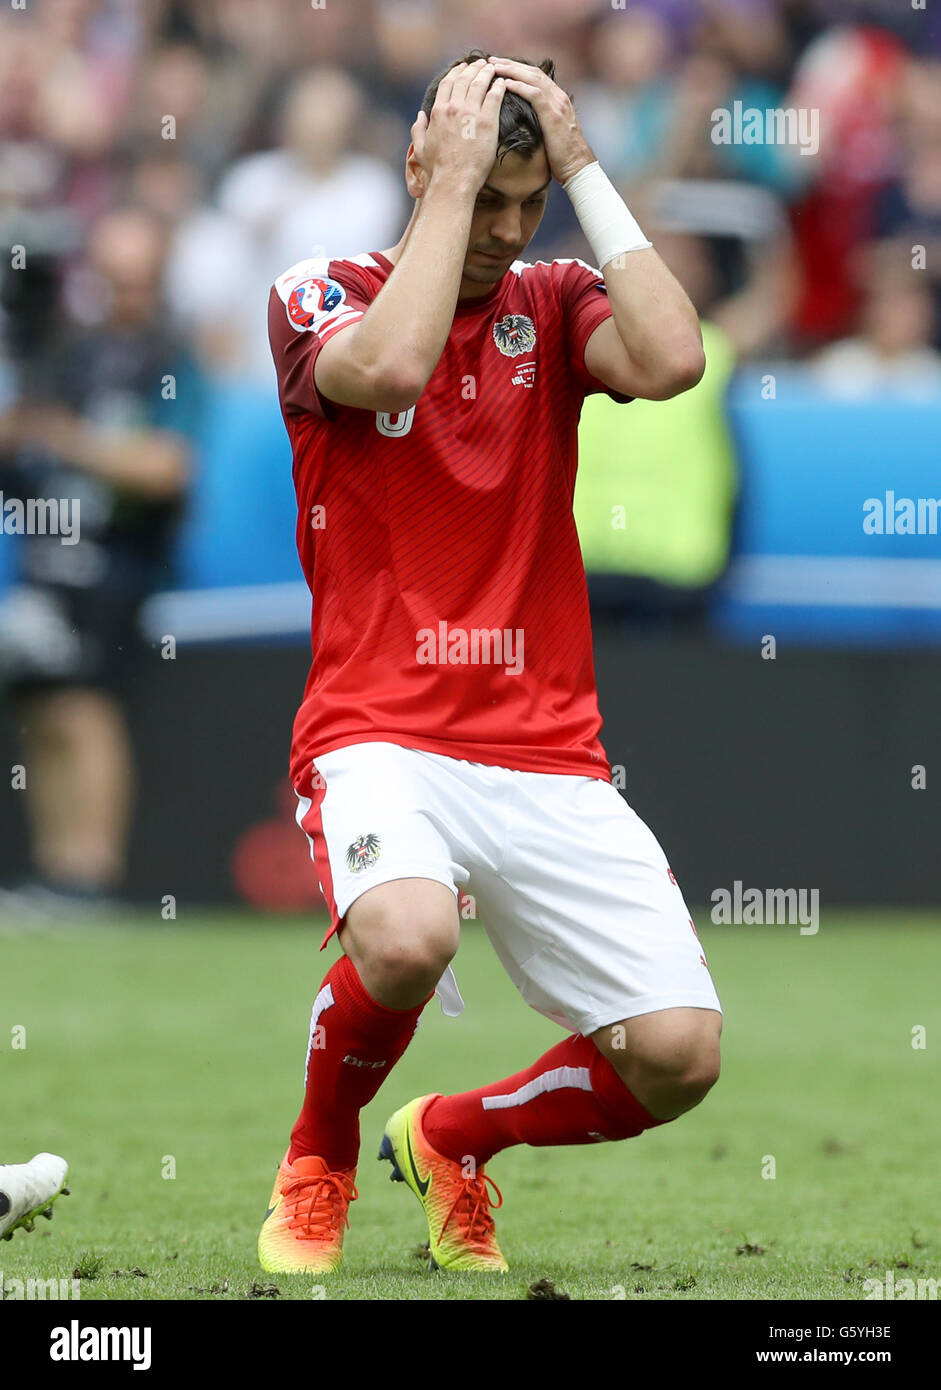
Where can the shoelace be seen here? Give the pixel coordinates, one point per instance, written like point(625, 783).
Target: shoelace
point(318, 1223)
point(472, 1206)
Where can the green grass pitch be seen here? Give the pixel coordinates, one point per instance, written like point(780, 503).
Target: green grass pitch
point(179, 1048)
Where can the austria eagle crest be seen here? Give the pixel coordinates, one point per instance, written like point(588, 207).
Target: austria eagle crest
point(362, 853)
point(514, 334)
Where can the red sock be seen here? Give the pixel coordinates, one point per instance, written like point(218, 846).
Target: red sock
point(572, 1095)
point(354, 1044)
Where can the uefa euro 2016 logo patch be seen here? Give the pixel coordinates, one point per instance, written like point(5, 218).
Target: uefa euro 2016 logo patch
point(514, 334)
point(313, 299)
point(362, 853)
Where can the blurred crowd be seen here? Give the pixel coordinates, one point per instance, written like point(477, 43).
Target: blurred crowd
point(253, 135)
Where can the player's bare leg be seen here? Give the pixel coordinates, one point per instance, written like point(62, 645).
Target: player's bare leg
point(398, 938)
point(668, 1060)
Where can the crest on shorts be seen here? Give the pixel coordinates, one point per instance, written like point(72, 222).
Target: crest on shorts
point(362, 853)
point(514, 334)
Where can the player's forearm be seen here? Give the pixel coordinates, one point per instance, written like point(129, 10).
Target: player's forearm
point(657, 325)
point(402, 335)
point(656, 322)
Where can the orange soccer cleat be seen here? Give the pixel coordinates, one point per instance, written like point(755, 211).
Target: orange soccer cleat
point(461, 1232)
point(306, 1218)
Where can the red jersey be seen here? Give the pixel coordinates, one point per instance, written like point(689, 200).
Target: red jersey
point(450, 608)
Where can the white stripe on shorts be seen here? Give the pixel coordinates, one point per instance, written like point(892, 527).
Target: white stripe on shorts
point(323, 1001)
point(549, 1081)
point(304, 804)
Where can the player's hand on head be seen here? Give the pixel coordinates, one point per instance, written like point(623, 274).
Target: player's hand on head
point(567, 150)
point(459, 141)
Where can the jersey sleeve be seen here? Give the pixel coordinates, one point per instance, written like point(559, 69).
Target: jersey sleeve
point(307, 306)
point(585, 306)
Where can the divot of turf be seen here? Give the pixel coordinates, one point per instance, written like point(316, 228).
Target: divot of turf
point(545, 1289)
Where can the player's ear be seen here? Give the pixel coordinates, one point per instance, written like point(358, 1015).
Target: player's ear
point(416, 178)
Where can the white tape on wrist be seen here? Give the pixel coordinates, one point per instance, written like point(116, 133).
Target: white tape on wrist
point(605, 218)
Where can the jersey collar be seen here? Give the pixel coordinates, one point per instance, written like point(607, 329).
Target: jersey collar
point(464, 306)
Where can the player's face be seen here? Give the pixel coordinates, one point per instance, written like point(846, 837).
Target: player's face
point(509, 208)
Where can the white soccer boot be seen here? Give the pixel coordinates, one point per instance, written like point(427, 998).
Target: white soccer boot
point(28, 1190)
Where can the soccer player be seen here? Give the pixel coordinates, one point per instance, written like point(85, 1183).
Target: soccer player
point(28, 1190)
point(448, 737)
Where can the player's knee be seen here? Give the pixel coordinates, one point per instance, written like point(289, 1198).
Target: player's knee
point(417, 957)
point(401, 942)
point(683, 1085)
point(677, 1079)
point(697, 1078)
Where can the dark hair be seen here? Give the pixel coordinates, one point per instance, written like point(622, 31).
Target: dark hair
point(520, 131)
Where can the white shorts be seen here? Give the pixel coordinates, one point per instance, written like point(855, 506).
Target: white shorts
point(571, 887)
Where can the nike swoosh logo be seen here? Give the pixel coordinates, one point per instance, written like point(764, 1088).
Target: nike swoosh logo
point(422, 1186)
point(272, 1210)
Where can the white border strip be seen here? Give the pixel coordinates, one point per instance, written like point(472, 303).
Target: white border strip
point(839, 581)
point(205, 615)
